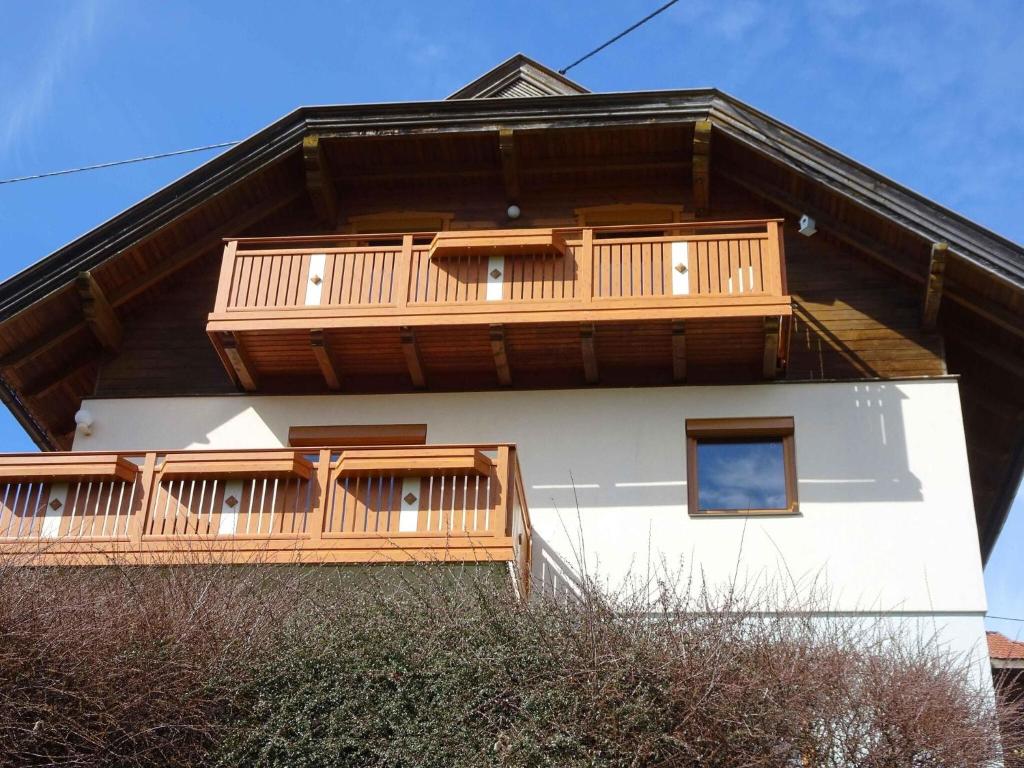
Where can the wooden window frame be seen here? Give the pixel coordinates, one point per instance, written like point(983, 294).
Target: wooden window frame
point(741, 429)
point(356, 435)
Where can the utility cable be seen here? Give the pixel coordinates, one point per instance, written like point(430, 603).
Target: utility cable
point(619, 36)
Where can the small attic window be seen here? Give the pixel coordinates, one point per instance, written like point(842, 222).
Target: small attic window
point(400, 222)
point(622, 214)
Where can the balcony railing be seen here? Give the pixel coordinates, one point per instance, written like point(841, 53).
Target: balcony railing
point(455, 305)
point(365, 505)
point(674, 270)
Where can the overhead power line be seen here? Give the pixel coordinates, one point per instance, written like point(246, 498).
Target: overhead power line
point(1003, 618)
point(222, 144)
point(619, 36)
point(119, 162)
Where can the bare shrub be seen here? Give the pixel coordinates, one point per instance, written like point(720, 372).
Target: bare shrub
point(125, 666)
point(436, 665)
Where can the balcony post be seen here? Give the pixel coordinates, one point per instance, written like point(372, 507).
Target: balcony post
point(585, 267)
point(400, 286)
point(315, 528)
point(501, 520)
point(773, 278)
point(227, 275)
point(137, 525)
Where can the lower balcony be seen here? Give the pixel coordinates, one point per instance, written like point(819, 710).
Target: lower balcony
point(420, 503)
point(694, 301)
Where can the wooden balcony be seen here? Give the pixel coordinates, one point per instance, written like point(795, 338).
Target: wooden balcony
point(698, 301)
point(366, 505)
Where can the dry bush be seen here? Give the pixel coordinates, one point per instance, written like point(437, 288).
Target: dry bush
point(126, 666)
point(442, 666)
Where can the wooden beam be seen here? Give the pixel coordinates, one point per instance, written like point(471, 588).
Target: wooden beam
point(325, 359)
point(590, 372)
point(45, 384)
point(933, 286)
point(702, 167)
point(233, 227)
point(239, 361)
point(40, 344)
point(412, 358)
point(99, 315)
point(509, 164)
point(319, 183)
point(679, 350)
point(500, 354)
point(952, 292)
point(772, 330)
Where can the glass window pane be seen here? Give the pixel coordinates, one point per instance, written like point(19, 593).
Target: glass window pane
point(739, 475)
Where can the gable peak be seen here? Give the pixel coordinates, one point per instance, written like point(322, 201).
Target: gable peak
point(519, 76)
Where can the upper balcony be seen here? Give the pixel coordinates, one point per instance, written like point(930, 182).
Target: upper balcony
point(343, 505)
point(696, 301)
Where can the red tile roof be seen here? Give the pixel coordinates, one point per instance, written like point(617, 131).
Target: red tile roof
point(1002, 647)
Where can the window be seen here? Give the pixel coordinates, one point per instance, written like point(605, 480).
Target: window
point(741, 466)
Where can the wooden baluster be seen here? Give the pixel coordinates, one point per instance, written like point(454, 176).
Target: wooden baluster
point(137, 524)
point(322, 496)
point(585, 267)
point(227, 276)
point(400, 288)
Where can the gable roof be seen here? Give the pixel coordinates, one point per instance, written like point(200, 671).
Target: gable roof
point(519, 76)
point(535, 97)
point(1003, 648)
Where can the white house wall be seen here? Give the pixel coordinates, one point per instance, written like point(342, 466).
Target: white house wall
point(886, 515)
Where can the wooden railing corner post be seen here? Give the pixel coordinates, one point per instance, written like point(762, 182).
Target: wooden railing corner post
point(501, 520)
point(227, 275)
point(137, 525)
point(315, 529)
point(776, 277)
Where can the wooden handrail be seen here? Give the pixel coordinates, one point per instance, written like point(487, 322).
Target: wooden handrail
point(418, 502)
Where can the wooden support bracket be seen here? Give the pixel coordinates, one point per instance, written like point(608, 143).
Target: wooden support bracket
point(509, 163)
point(325, 359)
point(772, 332)
point(933, 286)
point(318, 180)
point(412, 358)
point(702, 167)
point(500, 354)
point(99, 315)
point(590, 372)
point(679, 350)
point(239, 361)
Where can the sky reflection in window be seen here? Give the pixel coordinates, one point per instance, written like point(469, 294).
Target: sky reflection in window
point(741, 475)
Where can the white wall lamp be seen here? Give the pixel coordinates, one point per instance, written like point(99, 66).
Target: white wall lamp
point(513, 211)
point(807, 226)
point(83, 421)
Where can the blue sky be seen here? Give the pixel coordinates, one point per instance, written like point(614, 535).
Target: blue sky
point(930, 94)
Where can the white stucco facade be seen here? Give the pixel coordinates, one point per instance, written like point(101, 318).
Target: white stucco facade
point(886, 519)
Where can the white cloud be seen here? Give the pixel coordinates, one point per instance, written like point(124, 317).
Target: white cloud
point(29, 100)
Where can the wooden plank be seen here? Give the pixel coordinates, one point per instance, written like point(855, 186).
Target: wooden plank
point(239, 360)
point(933, 286)
point(319, 183)
point(99, 315)
point(411, 354)
point(590, 372)
point(509, 164)
point(325, 359)
point(701, 167)
point(357, 435)
point(679, 350)
point(500, 354)
point(40, 344)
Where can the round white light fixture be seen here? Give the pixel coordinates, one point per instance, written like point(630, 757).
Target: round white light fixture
point(513, 211)
point(83, 420)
